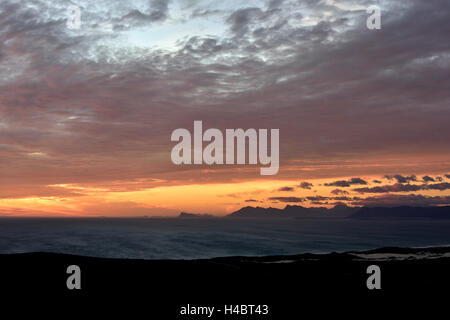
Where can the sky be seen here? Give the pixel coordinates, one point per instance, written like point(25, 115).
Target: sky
point(86, 114)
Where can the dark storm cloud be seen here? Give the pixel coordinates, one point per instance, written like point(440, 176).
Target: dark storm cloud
point(398, 187)
point(286, 189)
point(428, 179)
point(402, 200)
point(346, 183)
point(402, 179)
point(252, 200)
point(377, 181)
point(306, 185)
point(438, 186)
point(322, 198)
point(339, 192)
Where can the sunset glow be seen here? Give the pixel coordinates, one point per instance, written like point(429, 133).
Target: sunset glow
point(86, 114)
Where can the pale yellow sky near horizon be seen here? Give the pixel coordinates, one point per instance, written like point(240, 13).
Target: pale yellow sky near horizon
point(211, 198)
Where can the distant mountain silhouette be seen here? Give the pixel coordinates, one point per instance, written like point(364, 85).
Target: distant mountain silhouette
point(340, 210)
point(402, 213)
point(185, 215)
point(256, 212)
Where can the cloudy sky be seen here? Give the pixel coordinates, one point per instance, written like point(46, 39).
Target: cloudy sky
point(86, 114)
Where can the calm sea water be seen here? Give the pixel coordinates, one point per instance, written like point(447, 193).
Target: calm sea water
point(191, 239)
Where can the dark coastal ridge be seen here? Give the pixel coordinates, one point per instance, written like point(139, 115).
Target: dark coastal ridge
point(338, 211)
point(288, 284)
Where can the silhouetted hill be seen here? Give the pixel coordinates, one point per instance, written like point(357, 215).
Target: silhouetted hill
point(402, 213)
point(302, 212)
point(185, 215)
point(339, 211)
point(256, 212)
point(342, 210)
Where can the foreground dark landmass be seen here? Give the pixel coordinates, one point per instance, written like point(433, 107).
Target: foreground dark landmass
point(289, 285)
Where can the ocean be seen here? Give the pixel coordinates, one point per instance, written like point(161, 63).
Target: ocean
point(145, 238)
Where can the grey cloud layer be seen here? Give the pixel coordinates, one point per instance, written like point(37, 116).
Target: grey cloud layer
point(99, 112)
